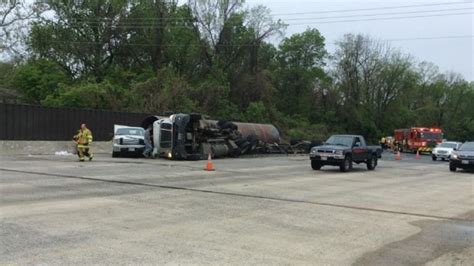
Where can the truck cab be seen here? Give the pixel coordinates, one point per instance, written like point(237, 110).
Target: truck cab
point(163, 138)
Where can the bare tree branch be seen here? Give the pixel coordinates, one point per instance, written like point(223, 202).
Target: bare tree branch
point(12, 5)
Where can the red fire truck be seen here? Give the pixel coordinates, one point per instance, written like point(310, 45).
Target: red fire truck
point(421, 139)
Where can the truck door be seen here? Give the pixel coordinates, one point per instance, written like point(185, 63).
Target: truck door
point(358, 150)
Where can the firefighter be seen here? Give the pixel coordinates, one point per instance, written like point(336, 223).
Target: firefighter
point(383, 143)
point(83, 140)
point(148, 142)
point(395, 146)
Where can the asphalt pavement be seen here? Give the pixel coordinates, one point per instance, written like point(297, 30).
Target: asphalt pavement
point(270, 210)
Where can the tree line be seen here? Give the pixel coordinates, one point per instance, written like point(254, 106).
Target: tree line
point(219, 58)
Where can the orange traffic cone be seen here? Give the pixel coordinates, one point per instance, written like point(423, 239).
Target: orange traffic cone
point(417, 155)
point(398, 157)
point(209, 164)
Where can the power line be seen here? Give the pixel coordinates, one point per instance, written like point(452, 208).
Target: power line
point(251, 45)
point(374, 8)
point(302, 13)
point(378, 19)
point(383, 14)
point(310, 22)
point(151, 23)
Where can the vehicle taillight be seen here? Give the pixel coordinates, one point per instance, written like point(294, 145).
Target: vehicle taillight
point(423, 143)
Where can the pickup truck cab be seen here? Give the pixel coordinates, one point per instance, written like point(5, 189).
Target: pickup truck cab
point(343, 151)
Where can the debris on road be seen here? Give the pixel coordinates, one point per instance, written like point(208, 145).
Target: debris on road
point(63, 153)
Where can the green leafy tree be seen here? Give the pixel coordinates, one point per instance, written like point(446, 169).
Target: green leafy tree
point(212, 94)
point(371, 78)
point(82, 36)
point(301, 59)
point(38, 79)
point(161, 33)
point(168, 91)
point(214, 57)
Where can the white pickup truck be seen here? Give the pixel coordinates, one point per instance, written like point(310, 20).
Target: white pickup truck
point(128, 141)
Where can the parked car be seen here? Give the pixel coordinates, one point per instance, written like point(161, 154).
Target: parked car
point(343, 151)
point(444, 150)
point(128, 141)
point(463, 157)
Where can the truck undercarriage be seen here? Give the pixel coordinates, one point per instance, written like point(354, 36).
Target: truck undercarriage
point(190, 137)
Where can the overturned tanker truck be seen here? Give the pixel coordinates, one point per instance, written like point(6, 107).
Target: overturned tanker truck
point(190, 137)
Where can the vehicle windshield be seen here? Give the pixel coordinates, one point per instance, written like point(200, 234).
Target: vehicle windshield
point(130, 131)
point(468, 146)
point(340, 141)
point(429, 135)
point(447, 145)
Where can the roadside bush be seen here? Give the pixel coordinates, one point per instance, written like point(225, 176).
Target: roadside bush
point(90, 95)
point(256, 112)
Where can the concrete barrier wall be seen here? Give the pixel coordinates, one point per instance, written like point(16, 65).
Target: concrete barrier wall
point(48, 147)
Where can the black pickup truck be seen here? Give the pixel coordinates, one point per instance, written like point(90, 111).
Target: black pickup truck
point(343, 151)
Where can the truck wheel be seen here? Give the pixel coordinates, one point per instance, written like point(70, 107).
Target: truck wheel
point(433, 157)
point(115, 154)
point(372, 163)
point(452, 167)
point(316, 165)
point(346, 165)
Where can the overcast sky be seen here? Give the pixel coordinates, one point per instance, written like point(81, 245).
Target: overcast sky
point(449, 53)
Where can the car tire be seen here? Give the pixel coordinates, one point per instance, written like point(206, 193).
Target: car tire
point(316, 165)
point(433, 157)
point(346, 165)
point(452, 167)
point(372, 163)
point(115, 154)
